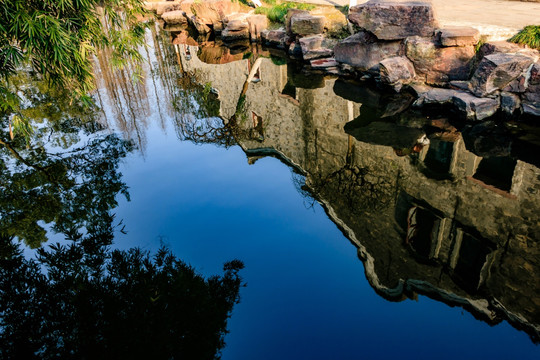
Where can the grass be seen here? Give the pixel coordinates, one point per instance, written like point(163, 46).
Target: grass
point(530, 36)
point(277, 12)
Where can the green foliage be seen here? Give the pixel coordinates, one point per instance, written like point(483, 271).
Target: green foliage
point(278, 12)
point(344, 9)
point(529, 35)
point(57, 40)
point(84, 300)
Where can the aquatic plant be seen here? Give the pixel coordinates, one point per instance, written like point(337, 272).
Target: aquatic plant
point(529, 35)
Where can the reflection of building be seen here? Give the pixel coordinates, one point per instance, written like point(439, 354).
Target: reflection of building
point(442, 221)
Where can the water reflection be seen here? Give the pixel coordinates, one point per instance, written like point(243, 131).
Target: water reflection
point(432, 207)
point(433, 210)
point(79, 298)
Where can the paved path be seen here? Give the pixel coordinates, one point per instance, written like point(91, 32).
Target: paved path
point(498, 18)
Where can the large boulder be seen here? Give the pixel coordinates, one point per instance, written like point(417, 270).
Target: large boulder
point(257, 24)
point(176, 17)
point(438, 65)
point(457, 36)
point(363, 51)
point(394, 20)
point(496, 71)
point(305, 24)
point(396, 71)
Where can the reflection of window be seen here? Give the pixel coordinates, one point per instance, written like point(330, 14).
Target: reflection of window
point(496, 171)
point(469, 256)
point(439, 156)
point(423, 229)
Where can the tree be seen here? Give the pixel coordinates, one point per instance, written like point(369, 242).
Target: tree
point(56, 39)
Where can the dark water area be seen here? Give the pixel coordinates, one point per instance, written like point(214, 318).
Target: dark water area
point(367, 229)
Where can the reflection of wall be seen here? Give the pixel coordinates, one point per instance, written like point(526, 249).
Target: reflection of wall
point(476, 246)
point(227, 79)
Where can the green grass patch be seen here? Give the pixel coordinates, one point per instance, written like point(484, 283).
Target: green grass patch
point(530, 36)
point(277, 13)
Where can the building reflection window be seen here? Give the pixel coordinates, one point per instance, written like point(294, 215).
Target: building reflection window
point(496, 171)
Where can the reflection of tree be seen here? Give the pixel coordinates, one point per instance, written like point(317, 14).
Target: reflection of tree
point(52, 177)
point(84, 301)
point(357, 187)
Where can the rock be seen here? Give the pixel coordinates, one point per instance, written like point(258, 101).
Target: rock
point(506, 47)
point(394, 20)
point(302, 24)
point(534, 74)
point(161, 7)
point(290, 14)
point(438, 65)
point(177, 17)
point(435, 96)
point(234, 35)
point(459, 84)
point(457, 36)
point(517, 85)
point(236, 25)
point(275, 38)
point(200, 26)
point(312, 47)
point(474, 107)
point(509, 102)
point(295, 50)
point(531, 97)
point(396, 71)
point(363, 51)
point(235, 16)
point(335, 20)
point(257, 24)
point(323, 63)
point(212, 11)
point(496, 71)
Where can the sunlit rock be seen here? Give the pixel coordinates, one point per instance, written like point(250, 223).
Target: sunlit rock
point(303, 24)
point(457, 36)
point(437, 65)
point(394, 20)
point(177, 17)
point(363, 51)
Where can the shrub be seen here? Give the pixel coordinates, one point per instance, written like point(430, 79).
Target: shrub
point(530, 36)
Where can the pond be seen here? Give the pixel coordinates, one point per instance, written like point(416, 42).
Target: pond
point(367, 229)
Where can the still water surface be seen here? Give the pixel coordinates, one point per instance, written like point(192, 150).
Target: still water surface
point(355, 245)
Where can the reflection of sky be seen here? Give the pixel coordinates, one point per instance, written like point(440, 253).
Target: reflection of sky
point(306, 295)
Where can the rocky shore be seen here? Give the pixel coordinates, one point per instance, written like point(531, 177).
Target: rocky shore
point(399, 45)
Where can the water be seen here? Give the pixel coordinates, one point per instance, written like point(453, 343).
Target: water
point(319, 212)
